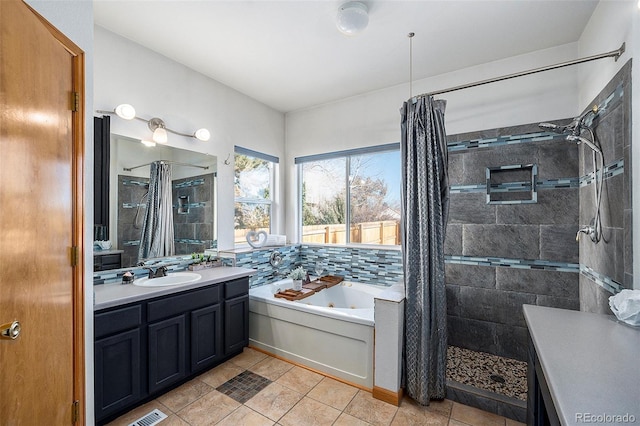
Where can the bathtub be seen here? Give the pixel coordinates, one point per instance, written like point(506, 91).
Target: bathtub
point(330, 331)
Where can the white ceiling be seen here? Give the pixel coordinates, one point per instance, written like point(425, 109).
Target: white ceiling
point(289, 55)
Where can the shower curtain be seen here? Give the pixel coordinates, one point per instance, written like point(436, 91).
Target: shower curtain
point(425, 204)
point(157, 228)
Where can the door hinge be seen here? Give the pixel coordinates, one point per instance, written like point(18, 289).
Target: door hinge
point(75, 412)
point(75, 256)
point(75, 101)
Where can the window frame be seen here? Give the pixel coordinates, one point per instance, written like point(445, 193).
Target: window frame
point(346, 154)
point(238, 150)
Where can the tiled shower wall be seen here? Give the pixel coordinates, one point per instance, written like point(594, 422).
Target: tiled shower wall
point(503, 256)
point(193, 230)
point(131, 210)
point(506, 255)
point(193, 224)
point(608, 266)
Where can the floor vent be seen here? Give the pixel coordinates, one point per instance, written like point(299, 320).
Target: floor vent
point(153, 418)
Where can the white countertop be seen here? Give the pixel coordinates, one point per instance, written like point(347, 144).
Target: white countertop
point(110, 295)
point(591, 363)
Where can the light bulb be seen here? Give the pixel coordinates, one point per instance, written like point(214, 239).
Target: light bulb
point(160, 135)
point(126, 111)
point(202, 134)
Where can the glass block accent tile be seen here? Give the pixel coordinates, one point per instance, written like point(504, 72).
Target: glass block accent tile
point(244, 386)
point(363, 265)
point(610, 170)
point(502, 140)
point(113, 276)
point(189, 241)
point(189, 183)
point(608, 104)
point(259, 260)
point(608, 283)
point(545, 265)
point(132, 182)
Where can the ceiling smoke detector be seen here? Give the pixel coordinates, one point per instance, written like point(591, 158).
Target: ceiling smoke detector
point(352, 18)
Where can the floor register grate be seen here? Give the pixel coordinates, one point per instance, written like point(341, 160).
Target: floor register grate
point(151, 419)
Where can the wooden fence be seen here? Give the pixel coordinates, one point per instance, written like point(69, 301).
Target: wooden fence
point(384, 232)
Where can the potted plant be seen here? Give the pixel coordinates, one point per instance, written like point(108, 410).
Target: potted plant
point(297, 275)
point(198, 262)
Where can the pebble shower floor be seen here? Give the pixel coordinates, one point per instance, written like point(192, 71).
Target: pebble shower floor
point(497, 374)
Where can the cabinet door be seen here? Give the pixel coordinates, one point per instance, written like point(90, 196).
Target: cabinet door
point(167, 346)
point(236, 324)
point(117, 372)
point(206, 336)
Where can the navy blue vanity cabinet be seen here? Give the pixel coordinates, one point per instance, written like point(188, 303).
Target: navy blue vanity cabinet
point(206, 337)
point(117, 359)
point(169, 343)
point(150, 347)
point(167, 347)
point(236, 316)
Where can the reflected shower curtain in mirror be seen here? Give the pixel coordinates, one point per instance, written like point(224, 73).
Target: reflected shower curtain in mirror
point(425, 204)
point(157, 228)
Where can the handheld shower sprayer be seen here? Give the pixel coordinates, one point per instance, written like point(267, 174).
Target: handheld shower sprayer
point(573, 131)
point(587, 142)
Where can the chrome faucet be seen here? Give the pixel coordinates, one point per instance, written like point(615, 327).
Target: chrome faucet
point(588, 230)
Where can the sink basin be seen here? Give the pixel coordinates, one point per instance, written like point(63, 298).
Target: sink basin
point(174, 278)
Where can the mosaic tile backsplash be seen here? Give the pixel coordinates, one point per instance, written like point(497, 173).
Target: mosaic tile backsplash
point(365, 265)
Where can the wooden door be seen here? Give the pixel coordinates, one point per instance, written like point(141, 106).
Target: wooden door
point(41, 223)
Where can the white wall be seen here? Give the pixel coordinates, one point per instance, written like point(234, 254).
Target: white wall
point(125, 72)
point(75, 19)
point(374, 118)
point(612, 23)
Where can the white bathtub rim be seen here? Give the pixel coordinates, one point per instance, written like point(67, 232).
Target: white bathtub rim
point(365, 316)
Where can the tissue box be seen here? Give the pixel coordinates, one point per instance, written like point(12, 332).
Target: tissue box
point(626, 306)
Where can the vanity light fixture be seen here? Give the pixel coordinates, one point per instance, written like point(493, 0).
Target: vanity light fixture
point(352, 18)
point(156, 125)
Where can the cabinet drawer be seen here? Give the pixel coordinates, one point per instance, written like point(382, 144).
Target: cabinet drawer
point(236, 288)
point(106, 323)
point(180, 303)
point(110, 259)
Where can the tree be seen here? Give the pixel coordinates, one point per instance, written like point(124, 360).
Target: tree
point(368, 201)
point(251, 185)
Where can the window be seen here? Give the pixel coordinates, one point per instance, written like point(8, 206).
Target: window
point(351, 196)
point(253, 188)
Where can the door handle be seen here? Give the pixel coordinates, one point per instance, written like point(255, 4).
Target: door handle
point(10, 330)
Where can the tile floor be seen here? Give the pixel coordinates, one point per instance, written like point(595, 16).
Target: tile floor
point(256, 389)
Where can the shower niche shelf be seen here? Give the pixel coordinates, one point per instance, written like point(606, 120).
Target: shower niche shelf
point(513, 184)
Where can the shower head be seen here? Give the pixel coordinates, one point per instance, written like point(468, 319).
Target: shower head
point(556, 128)
point(580, 139)
point(574, 128)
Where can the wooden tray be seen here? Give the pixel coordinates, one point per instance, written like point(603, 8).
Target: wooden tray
point(291, 294)
point(331, 280)
point(315, 285)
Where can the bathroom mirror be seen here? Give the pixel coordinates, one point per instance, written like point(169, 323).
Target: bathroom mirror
point(193, 188)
